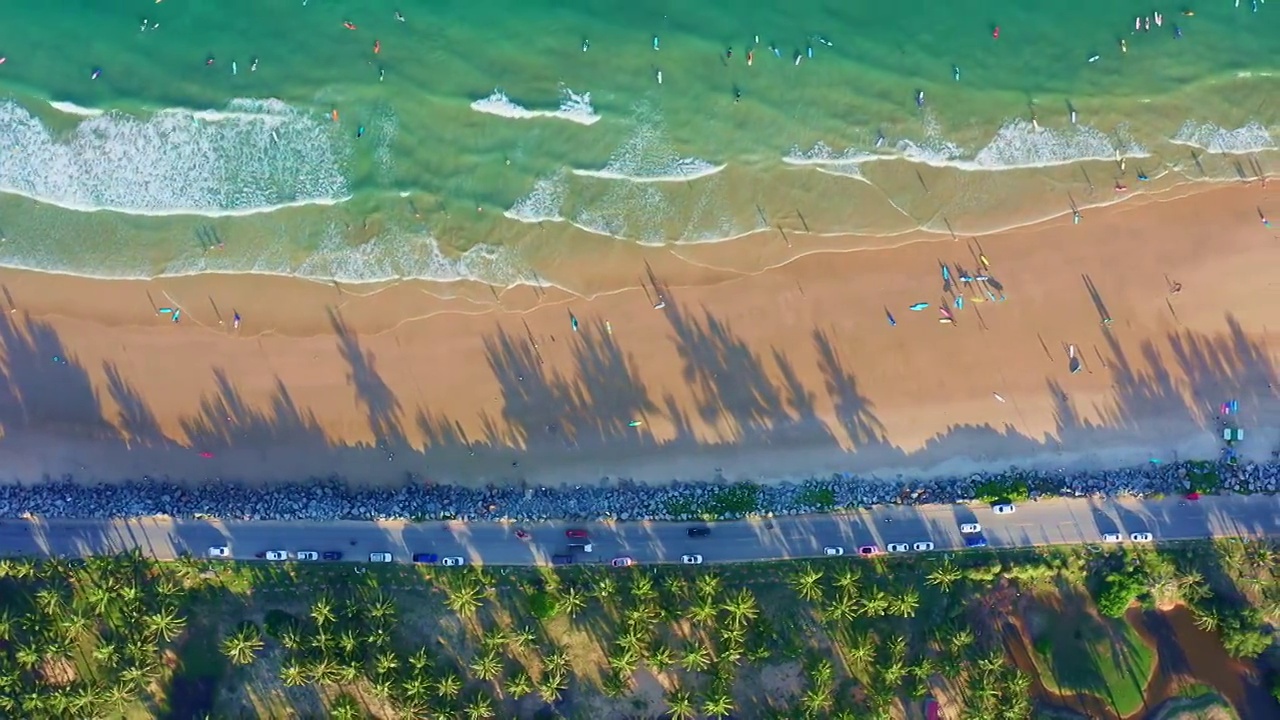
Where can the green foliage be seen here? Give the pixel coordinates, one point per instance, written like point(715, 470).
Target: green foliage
point(730, 501)
point(822, 499)
point(1006, 488)
point(1204, 477)
point(277, 623)
point(1119, 590)
point(543, 605)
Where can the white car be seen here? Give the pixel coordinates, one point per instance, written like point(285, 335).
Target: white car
point(219, 551)
point(1112, 537)
point(380, 557)
point(454, 561)
point(923, 546)
point(691, 559)
point(1140, 537)
point(970, 527)
point(308, 555)
point(897, 547)
point(1003, 509)
point(832, 550)
point(277, 554)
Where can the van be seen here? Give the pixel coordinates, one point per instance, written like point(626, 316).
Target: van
point(561, 559)
point(584, 547)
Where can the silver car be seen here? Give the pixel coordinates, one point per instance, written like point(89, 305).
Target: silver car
point(277, 554)
point(1112, 537)
point(922, 546)
point(454, 561)
point(832, 550)
point(692, 559)
point(1141, 537)
point(219, 551)
point(380, 557)
point(308, 555)
point(898, 547)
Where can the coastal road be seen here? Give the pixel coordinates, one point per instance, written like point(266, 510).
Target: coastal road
point(1048, 522)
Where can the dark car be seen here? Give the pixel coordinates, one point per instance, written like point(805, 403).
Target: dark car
point(426, 557)
point(699, 531)
point(332, 555)
point(975, 541)
point(561, 559)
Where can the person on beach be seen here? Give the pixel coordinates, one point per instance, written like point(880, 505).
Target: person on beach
point(235, 321)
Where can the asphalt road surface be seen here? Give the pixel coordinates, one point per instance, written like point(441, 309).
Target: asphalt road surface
point(1047, 522)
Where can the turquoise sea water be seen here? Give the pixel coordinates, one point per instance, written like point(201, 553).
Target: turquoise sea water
point(481, 129)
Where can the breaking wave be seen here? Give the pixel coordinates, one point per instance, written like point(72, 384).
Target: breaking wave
point(574, 107)
point(1212, 138)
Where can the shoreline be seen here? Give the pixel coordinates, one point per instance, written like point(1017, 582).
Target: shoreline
point(744, 373)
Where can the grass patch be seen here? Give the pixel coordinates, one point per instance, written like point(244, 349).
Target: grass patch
point(1204, 477)
point(1006, 488)
point(731, 501)
point(822, 499)
point(1078, 651)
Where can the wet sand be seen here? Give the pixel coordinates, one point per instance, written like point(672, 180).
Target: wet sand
point(746, 372)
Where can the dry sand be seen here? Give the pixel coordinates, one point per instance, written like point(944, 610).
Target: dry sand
point(757, 374)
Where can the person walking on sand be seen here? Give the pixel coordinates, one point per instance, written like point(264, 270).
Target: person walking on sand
point(235, 321)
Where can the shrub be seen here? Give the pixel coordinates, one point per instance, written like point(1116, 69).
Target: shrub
point(1119, 591)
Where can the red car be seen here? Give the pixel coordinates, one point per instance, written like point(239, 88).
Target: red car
point(576, 534)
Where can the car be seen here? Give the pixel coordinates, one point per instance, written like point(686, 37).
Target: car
point(1112, 537)
point(970, 528)
point(425, 557)
point(833, 550)
point(897, 547)
point(332, 555)
point(277, 554)
point(622, 562)
point(454, 561)
point(699, 531)
point(379, 557)
point(1141, 537)
point(561, 559)
point(868, 550)
point(219, 551)
point(584, 547)
point(308, 555)
point(575, 533)
point(922, 546)
point(693, 559)
point(975, 541)
point(1003, 509)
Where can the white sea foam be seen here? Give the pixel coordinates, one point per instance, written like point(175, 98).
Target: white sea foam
point(1020, 144)
point(1212, 138)
point(255, 156)
point(574, 107)
point(823, 158)
point(69, 108)
point(649, 157)
point(544, 203)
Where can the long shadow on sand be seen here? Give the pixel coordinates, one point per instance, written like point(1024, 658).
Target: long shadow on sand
point(595, 406)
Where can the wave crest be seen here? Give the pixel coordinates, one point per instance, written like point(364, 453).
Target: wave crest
point(574, 107)
point(1212, 138)
point(255, 156)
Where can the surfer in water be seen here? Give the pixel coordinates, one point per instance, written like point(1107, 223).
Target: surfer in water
point(399, 17)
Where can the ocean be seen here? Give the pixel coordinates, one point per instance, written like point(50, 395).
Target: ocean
point(380, 139)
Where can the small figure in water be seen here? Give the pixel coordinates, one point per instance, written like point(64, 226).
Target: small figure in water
point(208, 61)
point(359, 132)
point(399, 17)
point(348, 25)
point(955, 72)
point(737, 95)
point(920, 98)
point(1177, 32)
point(97, 73)
point(585, 45)
point(382, 74)
point(729, 54)
point(253, 66)
point(655, 42)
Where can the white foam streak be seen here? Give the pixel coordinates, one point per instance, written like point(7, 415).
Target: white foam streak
point(574, 107)
point(824, 159)
point(1212, 138)
point(256, 156)
point(544, 203)
point(648, 157)
point(69, 108)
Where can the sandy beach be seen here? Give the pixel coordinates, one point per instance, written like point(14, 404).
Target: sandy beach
point(771, 359)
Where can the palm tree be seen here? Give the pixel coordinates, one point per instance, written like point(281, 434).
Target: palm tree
point(680, 705)
point(519, 684)
point(486, 666)
point(661, 656)
point(862, 650)
point(448, 686)
point(479, 707)
point(292, 674)
point(381, 608)
point(843, 608)
point(420, 660)
point(823, 674)
point(606, 587)
point(243, 645)
point(815, 701)
point(7, 624)
point(385, 663)
point(27, 656)
point(905, 604)
point(523, 637)
point(945, 576)
point(704, 610)
point(642, 587)
point(960, 640)
point(808, 582)
point(848, 577)
point(707, 585)
point(623, 661)
point(742, 607)
point(875, 604)
point(345, 707)
point(571, 602)
point(166, 623)
point(717, 704)
point(557, 661)
point(322, 611)
point(464, 599)
point(290, 637)
point(1207, 619)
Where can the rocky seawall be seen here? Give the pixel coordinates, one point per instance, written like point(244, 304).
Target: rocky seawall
point(335, 499)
